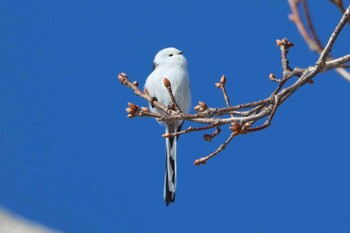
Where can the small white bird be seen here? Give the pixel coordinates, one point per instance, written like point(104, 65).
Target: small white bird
point(171, 64)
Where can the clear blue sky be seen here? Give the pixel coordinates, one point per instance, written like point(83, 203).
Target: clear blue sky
point(70, 159)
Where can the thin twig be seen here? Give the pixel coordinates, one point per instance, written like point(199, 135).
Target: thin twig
point(295, 17)
point(322, 59)
point(188, 130)
point(313, 40)
point(267, 123)
point(249, 112)
point(123, 78)
point(209, 137)
point(167, 85)
point(337, 62)
point(284, 45)
point(310, 24)
point(222, 147)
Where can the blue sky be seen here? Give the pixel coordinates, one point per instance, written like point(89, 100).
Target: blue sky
point(70, 159)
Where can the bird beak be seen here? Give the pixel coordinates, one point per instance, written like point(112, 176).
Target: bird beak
point(180, 52)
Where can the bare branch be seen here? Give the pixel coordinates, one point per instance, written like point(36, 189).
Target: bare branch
point(310, 24)
point(209, 137)
point(123, 79)
point(242, 117)
point(222, 147)
point(313, 40)
point(337, 62)
point(295, 17)
point(188, 130)
point(333, 37)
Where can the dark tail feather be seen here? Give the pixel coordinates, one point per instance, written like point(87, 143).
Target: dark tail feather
point(170, 169)
point(170, 180)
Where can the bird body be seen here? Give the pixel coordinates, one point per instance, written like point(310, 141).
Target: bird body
point(171, 64)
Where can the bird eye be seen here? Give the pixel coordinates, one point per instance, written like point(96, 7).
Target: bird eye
point(170, 55)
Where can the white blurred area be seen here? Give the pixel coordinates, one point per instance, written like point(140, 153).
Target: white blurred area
point(12, 223)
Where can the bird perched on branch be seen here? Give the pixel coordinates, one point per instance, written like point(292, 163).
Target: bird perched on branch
point(170, 63)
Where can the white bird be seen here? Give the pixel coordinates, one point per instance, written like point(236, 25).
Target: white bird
point(171, 64)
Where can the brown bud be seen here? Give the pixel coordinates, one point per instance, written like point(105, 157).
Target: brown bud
point(218, 85)
point(131, 115)
point(243, 131)
point(290, 44)
point(122, 77)
point(133, 107)
point(128, 110)
point(166, 135)
point(172, 106)
point(223, 80)
point(235, 127)
point(136, 83)
point(310, 81)
point(279, 42)
point(197, 108)
point(203, 105)
point(272, 77)
point(247, 125)
point(199, 162)
point(144, 109)
point(166, 82)
point(207, 137)
point(235, 133)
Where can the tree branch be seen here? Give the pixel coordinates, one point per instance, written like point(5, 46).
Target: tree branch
point(312, 39)
point(242, 118)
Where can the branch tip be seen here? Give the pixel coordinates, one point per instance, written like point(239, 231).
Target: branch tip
point(166, 82)
point(199, 162)
point(197, 108)
point(278, 42)
point(272, 77)
point(203, 105)
point(223, 80)
point(290, 44)
point(132, 106)
point(207, 137)
point(130, 115)
point(122, 77)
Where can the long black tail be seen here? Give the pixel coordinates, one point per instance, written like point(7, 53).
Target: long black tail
point(170, 168)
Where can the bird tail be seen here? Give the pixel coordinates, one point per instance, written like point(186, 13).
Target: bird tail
point(170, 170)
